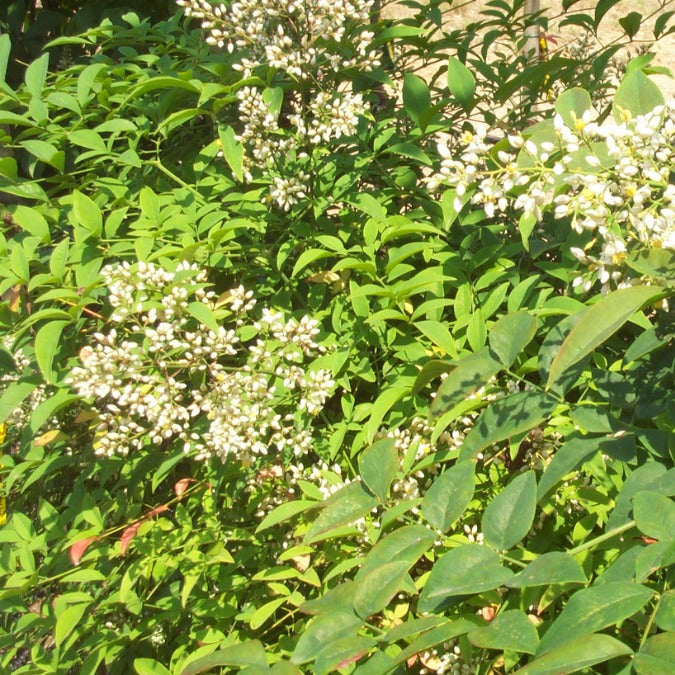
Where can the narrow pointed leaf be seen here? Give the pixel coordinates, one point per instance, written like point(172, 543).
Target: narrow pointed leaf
point(576, 655)
point(505, 418)
point(244, 654)
point(592, 609)
point(378, 465)
point(322, 630)
point(374, 590)
point(449, 495)
point(599, 322)
point(465, 570)
point(407, 544)
point(508, 517)
point(511, 334)
point(342, 508)
point(286, 511)
point(341, 653)
point(551, 568)
point(461, 82)
point(470, 373)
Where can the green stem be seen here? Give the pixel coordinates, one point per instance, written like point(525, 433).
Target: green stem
point(513, 561)
point(650, 621)
point(157, 164)
point(603, 537)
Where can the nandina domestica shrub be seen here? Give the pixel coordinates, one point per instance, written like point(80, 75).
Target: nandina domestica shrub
point(314, 361)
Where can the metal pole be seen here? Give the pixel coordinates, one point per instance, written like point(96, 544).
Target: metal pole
point(531, 46)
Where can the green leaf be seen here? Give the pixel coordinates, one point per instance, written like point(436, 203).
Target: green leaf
point(250, 653)
point(661, 23)
point(592, 609)
point(654, 515)
point(284, 668)
point(324, 629)
point(49, 407)
point(476, 331)
point(461, 82)
point(665, 616)
point(15, 393)
point(87, 213)
point(67, 621)
point(348, 504)
point(233, 151)
point(375, 589)
point(469, 374)
point(32, 221)
point(576, 655)
point(150, 667)
point(468, 569)
point(18, 263)
point(657, 656)
point(47, 342)
point(631, 23)
point(378, 465)
point(649, 476)
point(658, 263)
point(383, 404)
point(36, 75)
point(204, 314)
point(59, 258)
point(430, 371)
point(510, 630)
point(165, 467)
point(178, 118)
point(506, 418)
point(262, 614)
point(509, 516)
point(598, 323)
point(86, 138)
point(449, 495)
point(5, 49)
point(567, 458)
point(406, 543)
point(416, 98)
point(435, 636)
point(164, 82)
point(439, 334)
point(551, 568)
point(46, 153)
point(572, 104)
point(637, 94)
point(511, 334)
point(341, 653)
point(285, 511)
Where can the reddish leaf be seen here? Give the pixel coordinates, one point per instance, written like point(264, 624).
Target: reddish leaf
point(78, 548)
point(128, 535)
point(182, 485)
point(157, 510)
point(352, 659)
point(649, 540)
point(132, 530)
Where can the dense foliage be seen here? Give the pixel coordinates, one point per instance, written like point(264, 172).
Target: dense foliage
point(334, 342)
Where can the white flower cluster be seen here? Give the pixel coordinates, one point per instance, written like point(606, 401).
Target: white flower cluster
point(295, 37)
point(609, 180)
point(309, 42)
point(447, 660)
point(327, 117)
point(161, 376)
